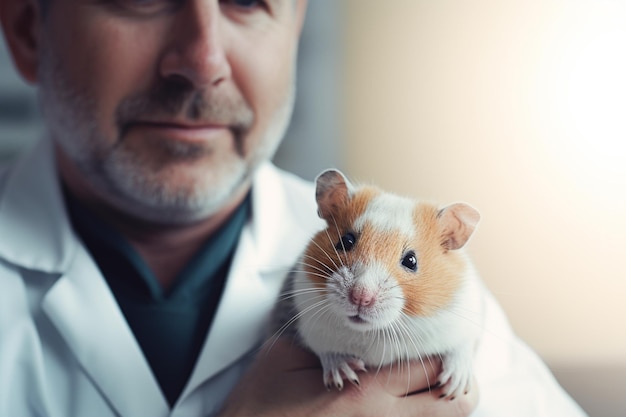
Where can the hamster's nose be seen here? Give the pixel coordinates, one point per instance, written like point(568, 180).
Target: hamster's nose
point(362, 297)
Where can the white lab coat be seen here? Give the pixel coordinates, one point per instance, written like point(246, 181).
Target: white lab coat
point(66, 350)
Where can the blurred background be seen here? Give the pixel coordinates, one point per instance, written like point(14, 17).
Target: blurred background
point(515, 106)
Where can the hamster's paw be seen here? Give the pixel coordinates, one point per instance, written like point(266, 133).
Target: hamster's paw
point(338, 366)
point(456, 377)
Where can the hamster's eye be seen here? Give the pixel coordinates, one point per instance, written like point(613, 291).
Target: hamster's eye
point(409, 261)
point(346, 243)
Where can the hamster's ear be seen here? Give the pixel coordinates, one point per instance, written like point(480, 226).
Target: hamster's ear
point(20, 21)
point(457, 223)
point(333, 191)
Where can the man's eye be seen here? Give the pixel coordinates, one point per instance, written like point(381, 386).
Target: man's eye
point(146, 6)
point(244, 4)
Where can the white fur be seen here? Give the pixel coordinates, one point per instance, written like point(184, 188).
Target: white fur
point(388, 213)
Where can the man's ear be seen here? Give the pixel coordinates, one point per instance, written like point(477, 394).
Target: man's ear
point(20, 21)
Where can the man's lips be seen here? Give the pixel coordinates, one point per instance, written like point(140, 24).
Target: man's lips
point(182, 131)
point(182, 124)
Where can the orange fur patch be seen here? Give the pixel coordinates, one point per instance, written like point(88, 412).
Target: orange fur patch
point(440, 271)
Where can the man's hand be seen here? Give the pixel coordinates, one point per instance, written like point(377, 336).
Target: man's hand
point(286, 381)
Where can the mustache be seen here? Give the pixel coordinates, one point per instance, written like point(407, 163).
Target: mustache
point(172, 98)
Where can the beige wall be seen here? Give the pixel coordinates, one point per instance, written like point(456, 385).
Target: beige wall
point(518, 107)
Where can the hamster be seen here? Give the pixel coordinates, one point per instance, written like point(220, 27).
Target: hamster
point(386, 282)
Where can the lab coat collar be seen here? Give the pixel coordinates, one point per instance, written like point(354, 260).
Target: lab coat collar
point(35, 229)
point(282, 221)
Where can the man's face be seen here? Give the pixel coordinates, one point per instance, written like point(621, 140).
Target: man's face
point(167, 106)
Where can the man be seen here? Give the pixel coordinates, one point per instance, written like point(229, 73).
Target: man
point(145, 239)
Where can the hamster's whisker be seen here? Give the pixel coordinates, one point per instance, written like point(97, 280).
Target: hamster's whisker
point(318, 261)
point(278, 333)
point(326, 271)
point(395, 346)
point(308, 288)
point(292, 294)
point(373, 334)
point(460, 308)
point(268, 345)
point(325, 253)
point(318, 314)
point(324, 277)
point(411, 336)
point(403, 359)
point(419, 340)
point(478, 324)
point(313, 306)
point(305, 280)
point(340, 240)
point(320, 274)
point(408, 361)
point(382, 337)
point(318, 265)
point(296, 317)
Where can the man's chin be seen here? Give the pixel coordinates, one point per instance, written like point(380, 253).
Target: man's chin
point(177, 198)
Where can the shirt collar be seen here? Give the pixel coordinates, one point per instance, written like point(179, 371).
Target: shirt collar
point(107, 244)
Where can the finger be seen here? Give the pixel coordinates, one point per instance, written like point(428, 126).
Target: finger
point(430, 404)
point(286, 354)
point(407, 378)
point(284, 367)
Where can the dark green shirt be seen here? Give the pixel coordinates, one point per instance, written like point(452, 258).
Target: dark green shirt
point(169, 326)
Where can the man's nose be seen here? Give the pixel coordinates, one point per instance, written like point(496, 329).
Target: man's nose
point(197, 51)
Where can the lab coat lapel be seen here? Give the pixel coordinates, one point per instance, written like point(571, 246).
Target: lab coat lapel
point(267, 249)
point(238, 323)
point(79, 303)
point(86, 314)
